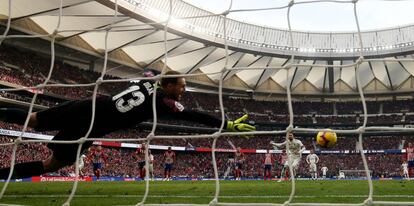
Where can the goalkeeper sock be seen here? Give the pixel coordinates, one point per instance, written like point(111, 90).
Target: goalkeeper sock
point(22, 170)
point(13, 115)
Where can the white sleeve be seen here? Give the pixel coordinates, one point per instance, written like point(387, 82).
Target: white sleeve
point(302, 147)
point(280, 144)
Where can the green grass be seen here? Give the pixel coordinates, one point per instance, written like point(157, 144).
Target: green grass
point(130, 193)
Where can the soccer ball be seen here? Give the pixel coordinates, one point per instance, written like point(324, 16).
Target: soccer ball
point(326, 139)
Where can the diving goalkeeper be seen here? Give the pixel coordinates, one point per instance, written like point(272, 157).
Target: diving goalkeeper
point(121, 111)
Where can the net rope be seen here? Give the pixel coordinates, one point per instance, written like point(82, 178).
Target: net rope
point(151, 136)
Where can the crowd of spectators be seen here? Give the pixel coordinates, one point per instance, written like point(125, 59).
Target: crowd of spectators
point(23, 68)
point(27, 68)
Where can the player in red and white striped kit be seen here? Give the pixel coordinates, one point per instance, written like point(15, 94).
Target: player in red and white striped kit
point(98, 158)
point(410, 158)
point(140, 155)
point(239, 160)
point(169, 159)
point(268, 162)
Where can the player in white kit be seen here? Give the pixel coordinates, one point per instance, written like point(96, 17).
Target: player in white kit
point(283, 161)
point(81, 164)
point(312, 159)
point(404, 167)
point(295, 151)
point(341, 175)
point(324, 171)
point(151, 165)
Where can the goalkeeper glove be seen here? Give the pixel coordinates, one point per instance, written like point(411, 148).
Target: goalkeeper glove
point(238, 125)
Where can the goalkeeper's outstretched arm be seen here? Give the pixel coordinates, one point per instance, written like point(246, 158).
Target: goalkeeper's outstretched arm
point(237, 125)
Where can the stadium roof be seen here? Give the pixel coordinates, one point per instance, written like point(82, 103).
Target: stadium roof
point(195, 46)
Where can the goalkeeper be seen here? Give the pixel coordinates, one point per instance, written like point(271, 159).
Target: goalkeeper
point(121, 111)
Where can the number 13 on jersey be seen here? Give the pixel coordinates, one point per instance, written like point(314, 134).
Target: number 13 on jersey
point(125, 102)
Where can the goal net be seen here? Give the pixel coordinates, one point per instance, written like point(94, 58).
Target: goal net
point(168, 18)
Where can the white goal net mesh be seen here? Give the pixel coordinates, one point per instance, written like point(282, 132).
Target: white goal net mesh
point(152, 135)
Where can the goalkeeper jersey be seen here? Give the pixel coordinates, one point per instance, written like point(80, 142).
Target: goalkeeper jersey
point(123, 110)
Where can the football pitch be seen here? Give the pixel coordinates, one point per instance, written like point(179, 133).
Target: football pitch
point(202, 192)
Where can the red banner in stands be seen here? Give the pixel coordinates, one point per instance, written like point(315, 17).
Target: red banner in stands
point(203, 149)
point(60, 179)
point(108, 144)
point(35, 90)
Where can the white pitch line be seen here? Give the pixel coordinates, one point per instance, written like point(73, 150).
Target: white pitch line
point(207, 196)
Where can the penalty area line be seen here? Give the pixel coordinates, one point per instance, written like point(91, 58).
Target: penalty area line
point(208, 196)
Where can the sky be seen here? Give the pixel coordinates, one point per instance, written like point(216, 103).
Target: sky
point(321, 16)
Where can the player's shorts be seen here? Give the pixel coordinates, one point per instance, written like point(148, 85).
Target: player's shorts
point(72, 119)
point(97, 166)
point(312, 167)
point(239, 165)
point(411, 163)
point(268, 167)
point(168, 166)
point(141, 164)
point(81, 166)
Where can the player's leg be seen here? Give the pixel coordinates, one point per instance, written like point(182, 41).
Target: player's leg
point(313, 171)
point(80, 169)
point(165, 172)
point(49, 119)
point(239, 171)
point(283, 172)
point(295, 165)
point(63, 155)
point(310, 170)
point(29, 169)
point(169, 172)
point(13, 115)
point(23, 170)
point(97, 170)
point(171, 168)
point(151, 171)
point(270, 172)
point(142, 170)
point(53, 164)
